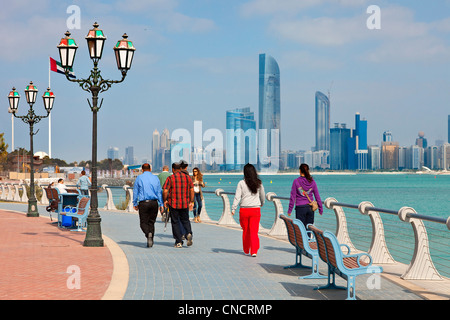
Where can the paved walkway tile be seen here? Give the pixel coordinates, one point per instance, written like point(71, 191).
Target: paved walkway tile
point(39, 261)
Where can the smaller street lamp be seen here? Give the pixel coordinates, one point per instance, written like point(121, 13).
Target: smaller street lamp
point(13, 98)
point(31, 119)
point(49, 99)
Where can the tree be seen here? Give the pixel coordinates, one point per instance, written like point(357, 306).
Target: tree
point(3, 152)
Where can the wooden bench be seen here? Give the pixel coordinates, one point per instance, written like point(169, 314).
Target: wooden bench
point(53, 199)
point(80, 212)
point(345, 265)
point(304, 245)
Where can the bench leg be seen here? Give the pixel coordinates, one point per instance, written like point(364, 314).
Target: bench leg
point(331, 282)
point(351, 294)
point(315, 270)
point(298, 261)
point(80, 224)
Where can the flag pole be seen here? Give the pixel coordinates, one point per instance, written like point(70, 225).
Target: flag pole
point(49, 117)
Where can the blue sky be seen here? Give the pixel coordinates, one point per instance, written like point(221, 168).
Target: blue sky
point(195, 59)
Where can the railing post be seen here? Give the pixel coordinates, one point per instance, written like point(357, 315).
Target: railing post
point(10, 195)
point(130, 207)
point(378, 248)
point(278, 227)
point(226, 218)
point(24, 193)
point(204, 215)
point(3, 196)
point(421, 266)
point(16, 193)
point(341, 224)
point(109, 198)
point(44, 200)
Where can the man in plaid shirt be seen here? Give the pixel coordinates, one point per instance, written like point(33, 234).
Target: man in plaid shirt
point(178, 194)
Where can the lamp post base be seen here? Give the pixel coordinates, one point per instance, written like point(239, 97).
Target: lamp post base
point(93, 233)
point(32, 209)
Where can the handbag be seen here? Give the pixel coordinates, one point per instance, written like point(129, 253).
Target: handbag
point(313, 204)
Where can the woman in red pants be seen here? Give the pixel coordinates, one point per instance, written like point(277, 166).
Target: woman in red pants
point(250, 195)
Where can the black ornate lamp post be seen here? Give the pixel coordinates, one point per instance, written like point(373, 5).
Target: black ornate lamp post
point(95, 84)
point(31, 119)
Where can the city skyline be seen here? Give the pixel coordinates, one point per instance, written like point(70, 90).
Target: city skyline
point(196, 59)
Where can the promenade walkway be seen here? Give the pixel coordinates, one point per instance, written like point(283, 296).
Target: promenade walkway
point(40, 261)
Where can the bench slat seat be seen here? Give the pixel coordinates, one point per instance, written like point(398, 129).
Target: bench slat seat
point(345, 265)
point(298, 236)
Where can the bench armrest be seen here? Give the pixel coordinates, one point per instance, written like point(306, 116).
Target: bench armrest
point(348, 248)
point(358, 258)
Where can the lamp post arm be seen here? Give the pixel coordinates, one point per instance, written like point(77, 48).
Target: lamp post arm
point(31, 118)
point(106, 84)
point(85, 84)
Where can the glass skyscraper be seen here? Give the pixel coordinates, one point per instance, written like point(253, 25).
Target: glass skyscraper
point(269, 138)
point(322, 122)
point(241, 138)
point(340, 137)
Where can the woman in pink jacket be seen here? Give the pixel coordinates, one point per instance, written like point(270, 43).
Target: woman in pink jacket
point(301, 186)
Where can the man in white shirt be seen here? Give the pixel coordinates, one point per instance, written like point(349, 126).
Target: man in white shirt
point(61, 186)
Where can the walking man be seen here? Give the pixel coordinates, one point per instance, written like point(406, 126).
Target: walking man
point(178, 194)
point(162, 179)
point(147, 199)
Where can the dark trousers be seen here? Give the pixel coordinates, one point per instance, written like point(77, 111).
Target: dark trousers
point(148, 211)
point(304, 214)
point(180, 216)
point(198, 204)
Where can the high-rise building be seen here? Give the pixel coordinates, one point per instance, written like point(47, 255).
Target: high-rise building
point(155, 148)
point(387, 136)
point(241, 138)
point(448, 128)
point(389, 155)
point(129, 156)
point(431, 157)
point(413, 157)
point(339, 137)
point(322, 122)
point(113, 153)
point(357, 145)
point(445, 156)
point(269, 138)
point(165, 139)
point(374, 158)
point(401, 158)
point(421, 141)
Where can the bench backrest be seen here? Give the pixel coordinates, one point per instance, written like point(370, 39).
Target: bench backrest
point(331, 253)
point(52, 194)
point(290, 229)
point(321, 247)
point(299, 230)
point(82, 205)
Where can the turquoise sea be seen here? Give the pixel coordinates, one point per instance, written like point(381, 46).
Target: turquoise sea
point(428, 194)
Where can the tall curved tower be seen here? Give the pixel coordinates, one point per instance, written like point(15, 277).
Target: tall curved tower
point(269, 137)
point(322, 122)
